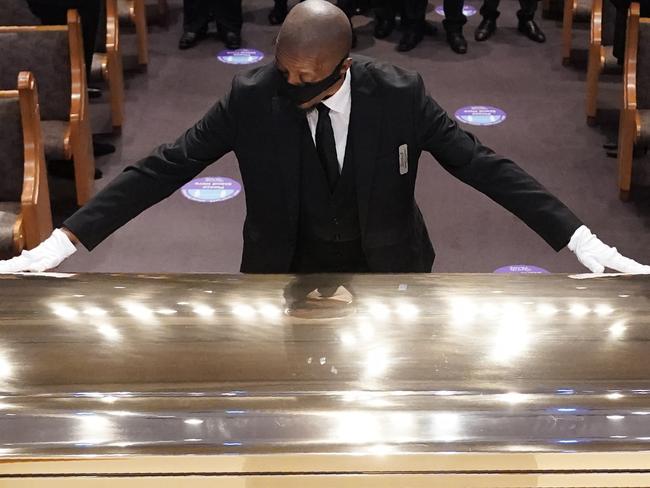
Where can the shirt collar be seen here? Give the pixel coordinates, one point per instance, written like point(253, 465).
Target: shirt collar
point(340, 101)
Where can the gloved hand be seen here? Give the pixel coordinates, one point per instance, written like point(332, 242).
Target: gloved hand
point(47, 255)
point(597, 256)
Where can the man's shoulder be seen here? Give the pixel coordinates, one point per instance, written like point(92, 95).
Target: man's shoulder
point(259, 78)
point(384, 75)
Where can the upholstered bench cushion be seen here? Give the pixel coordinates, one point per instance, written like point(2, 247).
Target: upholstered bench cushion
point(9, 212)
point(12, 150)
point(55, 133)
point(644, 135)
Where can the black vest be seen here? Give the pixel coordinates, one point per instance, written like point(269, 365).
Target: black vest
point(329, 233)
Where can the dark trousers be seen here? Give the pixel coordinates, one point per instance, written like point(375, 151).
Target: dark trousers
point(525, 13)
point(454, 17)
point(55, 12)
point(228, 14)
point(412, 12)
point(620, 28)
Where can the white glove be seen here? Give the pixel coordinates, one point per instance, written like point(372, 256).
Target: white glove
point(47, 255)
point(597, 256)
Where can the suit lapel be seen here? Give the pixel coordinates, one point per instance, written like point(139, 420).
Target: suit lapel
point(363, 134)
point(287, 126)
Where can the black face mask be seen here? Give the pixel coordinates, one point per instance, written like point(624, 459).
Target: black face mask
point(300, 94)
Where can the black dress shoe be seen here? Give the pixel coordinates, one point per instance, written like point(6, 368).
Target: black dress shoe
point(232, 40)
point(278, 14)
point(485, 30)
point(409, 40)
point(94, 92)
point(384, 27)
point(102, 148)
point(190, 39)
point(532, 31)
point(457, 42)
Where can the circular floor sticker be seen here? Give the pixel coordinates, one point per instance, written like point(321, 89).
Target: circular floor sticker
point(240, 56)
point(521, 268)
point(468, 10)
point(480, 115)
point(211, 189)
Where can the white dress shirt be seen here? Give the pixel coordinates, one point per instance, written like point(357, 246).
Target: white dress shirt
point(339, 104)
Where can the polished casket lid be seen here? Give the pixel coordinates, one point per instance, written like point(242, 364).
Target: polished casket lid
point(246, 364)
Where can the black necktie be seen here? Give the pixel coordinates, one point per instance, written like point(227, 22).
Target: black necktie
point(326, 146)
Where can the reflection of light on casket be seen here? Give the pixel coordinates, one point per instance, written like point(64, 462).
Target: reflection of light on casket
point(462, 311)
point(615, 417)
point(512, 336)
point(6, 406)
point(166, 311)
point(445, 426)
point(243, 311)
point(193, 421)
point(6, 369)
point(378, 310)
point(348, 339)
point(579, 310)
point(490, 310)
point(109, 332)
point(93, 429)
point(380, 449)
point(617, 329)
point(356, 427)
point(615, 396)
point(64, 311)
point(603, 310)
point(513, 398)
point(203, 310)
point(407, 310)
point(546, 309)
point(269, 311)
point(95, 311)
point(366, 330)
point(137, 310)
point(376, 362)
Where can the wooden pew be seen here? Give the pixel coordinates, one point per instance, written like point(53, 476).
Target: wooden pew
point(634, 125)
point(66, 125)
point(601, 56)
point(575, 11)
point(108, 65)
point(24, 163)
point(132, 13)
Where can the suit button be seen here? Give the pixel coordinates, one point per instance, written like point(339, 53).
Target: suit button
point(336, 221)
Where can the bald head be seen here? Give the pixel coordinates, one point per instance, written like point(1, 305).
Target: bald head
point(316, 29)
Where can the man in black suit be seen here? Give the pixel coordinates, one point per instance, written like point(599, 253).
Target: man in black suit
point(342, 138)
point(196, 14)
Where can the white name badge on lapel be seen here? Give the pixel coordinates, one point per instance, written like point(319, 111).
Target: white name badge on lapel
point(403, 159)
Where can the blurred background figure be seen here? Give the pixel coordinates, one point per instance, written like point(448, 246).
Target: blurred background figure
point(197, 14)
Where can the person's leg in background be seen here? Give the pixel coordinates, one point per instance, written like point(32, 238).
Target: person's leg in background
point(490, 14)
point(228, 14)
point(278, 12)
point(413, 24)
point(55, 12)
point(453, 24)
point(384, 18)
point(195, 22)
point(348, 6)
point(527, 25)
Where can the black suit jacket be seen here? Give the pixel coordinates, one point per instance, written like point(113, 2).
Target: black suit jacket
point(389, 108)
